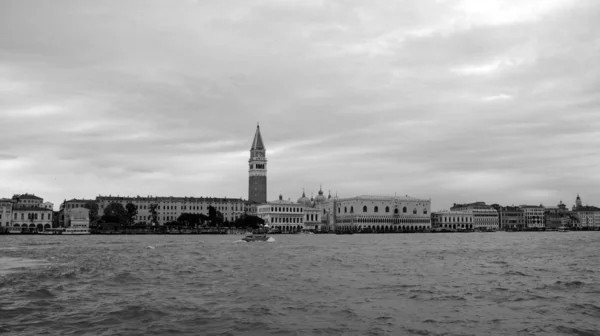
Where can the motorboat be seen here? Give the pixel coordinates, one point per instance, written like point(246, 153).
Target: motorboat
point(563, 229)
point(258, 235)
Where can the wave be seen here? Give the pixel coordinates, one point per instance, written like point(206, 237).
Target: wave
point(41, 294)
point(587, 309)
point(576, 331)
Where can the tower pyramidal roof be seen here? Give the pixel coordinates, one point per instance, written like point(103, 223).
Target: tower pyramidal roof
point(257, 144)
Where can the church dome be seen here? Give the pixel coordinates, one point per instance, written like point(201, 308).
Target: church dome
point(304, 200)
point(320, 198)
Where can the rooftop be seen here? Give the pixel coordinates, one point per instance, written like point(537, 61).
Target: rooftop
point(383, 198)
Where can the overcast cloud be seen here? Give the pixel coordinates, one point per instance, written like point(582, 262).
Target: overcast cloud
point(456, 101)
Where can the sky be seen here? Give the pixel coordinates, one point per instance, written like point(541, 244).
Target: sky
point(449, 100)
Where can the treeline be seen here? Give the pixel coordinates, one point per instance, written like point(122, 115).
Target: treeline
point(125, 216)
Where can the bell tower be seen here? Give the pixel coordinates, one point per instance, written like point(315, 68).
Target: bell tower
point(257, 180)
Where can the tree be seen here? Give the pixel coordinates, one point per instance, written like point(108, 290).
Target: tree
point(153, 214)
point(114, 213)
point(249, 222)
point(214, 216)
point(191, 219)
point(131, 213)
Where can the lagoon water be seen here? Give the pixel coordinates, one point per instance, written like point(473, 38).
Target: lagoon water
point(395, 284)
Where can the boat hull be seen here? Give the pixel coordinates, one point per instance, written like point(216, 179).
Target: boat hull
point(255, 238)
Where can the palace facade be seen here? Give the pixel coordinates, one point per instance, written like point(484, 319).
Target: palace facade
point(368, 213)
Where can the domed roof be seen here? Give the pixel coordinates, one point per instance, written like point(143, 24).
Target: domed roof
point(320, 198)
point(304, 200)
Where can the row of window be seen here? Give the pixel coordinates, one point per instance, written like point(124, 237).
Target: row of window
point(286, 220)
point(32, 216)
point(376, 209)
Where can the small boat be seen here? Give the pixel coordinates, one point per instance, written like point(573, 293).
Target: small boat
point(76, 231)
point(563, 229)
point(258, 235)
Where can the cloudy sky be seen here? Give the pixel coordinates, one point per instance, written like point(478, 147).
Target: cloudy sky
point(453, 100)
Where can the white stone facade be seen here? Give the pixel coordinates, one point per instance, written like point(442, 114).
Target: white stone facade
point(368, 213)
point(289, 217)
point(452, 220)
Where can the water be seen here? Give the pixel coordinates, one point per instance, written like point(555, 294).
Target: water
point(403, 284)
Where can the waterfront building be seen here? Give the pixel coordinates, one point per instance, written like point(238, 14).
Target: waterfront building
point(457, 220)
point(170, 208)
point(257, 173)
point(511, 218)
point(588, 217)
point(31, 218)
point(485, 217)
point(379, 214)
point(288, 216)
point(534, 216)
point(6, 208)
point(27, 213)
point(67, 207)
point(79, 219)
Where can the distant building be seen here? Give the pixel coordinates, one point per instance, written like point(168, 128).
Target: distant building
point(457, 220)
point(511, 218)
point(382, 214)
point(170, 208)
point(485, 217)
point(25, 212)
point(257, 173)
point(588, 217)
point(288, 216)
point(6, 208)
point(79, 218)
point(67, 208)
point(534, 216)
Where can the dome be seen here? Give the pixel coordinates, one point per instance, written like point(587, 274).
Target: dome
point(320, 198)
point(304, 200)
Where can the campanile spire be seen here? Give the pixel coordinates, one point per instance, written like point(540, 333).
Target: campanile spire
point(257, 179)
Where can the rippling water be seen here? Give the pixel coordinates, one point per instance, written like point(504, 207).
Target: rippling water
point(405, 284)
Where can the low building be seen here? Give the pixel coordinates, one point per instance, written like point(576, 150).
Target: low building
point(170, 208)
point(67, 208)
point(452, 220)
point(6, 208)
point(29, 215)
point(288, 216)
point(534, 216)
point(485, 217)
point(31, 219)
point(588, 217)
point(79, 218)
point(511, 218)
